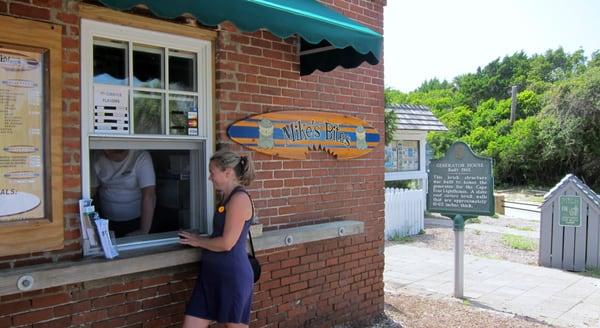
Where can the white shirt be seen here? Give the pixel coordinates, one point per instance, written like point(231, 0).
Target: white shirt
point(121, 184)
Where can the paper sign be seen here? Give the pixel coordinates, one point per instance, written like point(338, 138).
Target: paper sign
point(22, 179)
point(111, 110)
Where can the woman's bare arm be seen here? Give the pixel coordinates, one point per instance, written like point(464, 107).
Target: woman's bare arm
point(239, 209)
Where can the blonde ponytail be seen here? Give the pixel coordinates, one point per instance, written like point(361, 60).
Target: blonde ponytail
point(241, 165)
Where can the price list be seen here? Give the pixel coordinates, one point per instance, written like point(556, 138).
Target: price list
point(21, 137)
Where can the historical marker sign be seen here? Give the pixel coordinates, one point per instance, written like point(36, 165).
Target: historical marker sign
point(570, 211)
point(461, 183)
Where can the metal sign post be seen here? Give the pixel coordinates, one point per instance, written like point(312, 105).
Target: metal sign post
point(459, 255)
point(461, 183)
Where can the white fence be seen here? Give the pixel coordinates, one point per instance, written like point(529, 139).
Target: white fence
point(404, 212)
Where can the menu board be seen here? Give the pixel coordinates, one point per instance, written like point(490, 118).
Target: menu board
point(21, 135)
point(461, 183)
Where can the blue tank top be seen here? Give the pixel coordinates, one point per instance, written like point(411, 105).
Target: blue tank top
point(238, 252)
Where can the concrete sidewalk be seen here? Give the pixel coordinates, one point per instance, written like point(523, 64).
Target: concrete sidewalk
point(550, 295)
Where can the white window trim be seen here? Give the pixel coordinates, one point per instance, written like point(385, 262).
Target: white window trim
point(93, 29)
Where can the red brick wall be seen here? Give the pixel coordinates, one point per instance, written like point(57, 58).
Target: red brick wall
point(151, 299)
point(320, 284)
point(315, 284)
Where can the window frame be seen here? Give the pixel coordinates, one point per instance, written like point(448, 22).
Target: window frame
point(203, 143)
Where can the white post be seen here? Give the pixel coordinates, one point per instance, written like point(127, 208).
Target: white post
point(458, 263)
point(459, 255)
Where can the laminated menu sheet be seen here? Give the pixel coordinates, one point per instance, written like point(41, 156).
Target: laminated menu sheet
point(95, 232)
point(22, 154)
point(110, 250)
point(91, 242)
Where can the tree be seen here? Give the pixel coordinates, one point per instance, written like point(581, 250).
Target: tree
point(433, 84)
point(557, 127)
point(528, 104)
point(595, 59)
point(517, 154)
point(494, 80)
point(390, 120)
point(573, 107)
point(393, 96)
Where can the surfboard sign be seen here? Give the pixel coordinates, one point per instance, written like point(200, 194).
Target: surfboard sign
point(291, 134)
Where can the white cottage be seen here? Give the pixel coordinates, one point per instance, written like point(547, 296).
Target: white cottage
point(405, 156)
point(406, 159)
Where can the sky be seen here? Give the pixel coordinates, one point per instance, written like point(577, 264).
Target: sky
point(424, 39)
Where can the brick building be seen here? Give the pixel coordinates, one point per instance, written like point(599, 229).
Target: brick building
point(322, 246)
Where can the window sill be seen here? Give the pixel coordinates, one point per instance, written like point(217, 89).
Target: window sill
point(128, 262)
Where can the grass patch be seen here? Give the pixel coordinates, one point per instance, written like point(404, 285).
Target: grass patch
point(495, 216)
point(518, 242)
point(473, 220)
point(512, 226)
point(399, 238)
point(591, 272)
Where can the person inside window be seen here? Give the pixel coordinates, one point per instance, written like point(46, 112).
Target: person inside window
point(124, 182)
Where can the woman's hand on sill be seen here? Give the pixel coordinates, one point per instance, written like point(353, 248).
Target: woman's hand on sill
point(190, 239)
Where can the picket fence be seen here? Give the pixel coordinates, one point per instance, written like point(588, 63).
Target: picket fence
point(404, 212)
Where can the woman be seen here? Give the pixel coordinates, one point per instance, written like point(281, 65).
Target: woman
point(223, 291)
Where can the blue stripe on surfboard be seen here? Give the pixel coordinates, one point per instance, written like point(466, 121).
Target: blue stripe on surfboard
point(252, 132)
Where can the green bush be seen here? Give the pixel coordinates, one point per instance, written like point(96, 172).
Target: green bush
point(400, 184)
point(557, 125)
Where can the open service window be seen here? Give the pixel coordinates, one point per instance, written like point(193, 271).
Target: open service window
point(148, 96)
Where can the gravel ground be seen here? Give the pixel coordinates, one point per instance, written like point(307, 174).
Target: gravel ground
point(403, 309)
point(480, 243)
point(414, 311)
